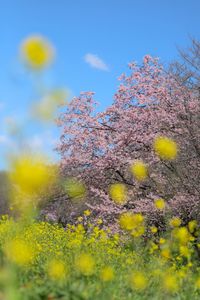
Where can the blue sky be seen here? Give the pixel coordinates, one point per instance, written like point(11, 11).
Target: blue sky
point(117, 31)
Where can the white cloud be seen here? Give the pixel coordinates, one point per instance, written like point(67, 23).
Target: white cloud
point(4, 139)
point(96, 62)
point(42, 142)
point(36, 142)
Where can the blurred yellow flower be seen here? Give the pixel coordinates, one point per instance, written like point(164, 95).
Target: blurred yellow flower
point(130, 221)
point(165, 253)
point(162, 241)
point(192, 225)
point(182, 235)
point(153, 247)
point(99, 221)
point(107, 274)
point(165, 148)
point(85, 264)
point(37, 52)
point(138, 281)
point(75, 189)
point(87, 212)
point(138, 231)
point(154, 229)
point(19, 252)
point(197, 283)
point(29, 176)
point(184, 251)
point(139, 170)
point(45, 109)
point(159, 203)
point(170, 283)
point(175, 222)
point(56, 269)
point(118, 193)
point(80, 219)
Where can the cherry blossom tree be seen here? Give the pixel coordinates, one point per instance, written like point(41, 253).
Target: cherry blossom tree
point(99, 148)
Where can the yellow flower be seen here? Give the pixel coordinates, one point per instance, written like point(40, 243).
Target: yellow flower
point(165, 148)
point(139, 231)
point(107, 274)
point(37, 52)
point(139, 170)
point(159, 204)
point(165, 253)
point(29, 173)
point(153, 247)
point(197, 283)
point(175, 222)
point(85, 264)
point(162, 241)
point(56, 269)
point(19, 252)
point(80, 219)
point(138, 281)
point(99, 221)
point(118, 193)
point(130, 221)
point(29, 176)
point(75, 189)
point(154, 229)
point(87, 213)
point(170, 283)
point(182, 235)
point(45, 109)
point(182, 273)
point(184, 251)
point(138, 219)
point(192, 225)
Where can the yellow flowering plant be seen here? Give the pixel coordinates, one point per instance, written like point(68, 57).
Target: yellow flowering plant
point(37, 52)
point(165, 148)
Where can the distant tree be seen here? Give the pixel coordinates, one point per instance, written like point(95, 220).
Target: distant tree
point(101, 147)
point(187, 68)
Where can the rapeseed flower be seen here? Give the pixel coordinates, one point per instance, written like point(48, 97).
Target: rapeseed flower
point(139, 170)
point(165, 148)
point(154, 229)
point(56, 269)
point(85, 264)
point(37, 52)
point(165, 253)
point(138, 281)
point(170, 283)
point(29, 173)
point(75, 189)
point(159, 203)
point(197, 283)
point(45, 109)
point(175, 222)
point(19, 252)
point(184, 251)
point(87, 212)
point(130, 221)
point(192, 225)
point(138, 231)
point(107, 274)
point(182, 235)
point(118, 193)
